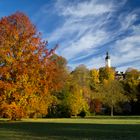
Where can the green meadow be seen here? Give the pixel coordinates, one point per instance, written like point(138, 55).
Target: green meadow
point(94, 128)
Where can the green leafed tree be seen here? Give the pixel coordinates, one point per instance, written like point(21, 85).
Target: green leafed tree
point(112, 94)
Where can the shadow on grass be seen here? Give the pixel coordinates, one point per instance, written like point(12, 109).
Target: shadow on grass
point(39, 130)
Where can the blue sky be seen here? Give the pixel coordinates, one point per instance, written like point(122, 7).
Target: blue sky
point(86, 29)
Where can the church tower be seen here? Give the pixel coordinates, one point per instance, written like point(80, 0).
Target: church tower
point(107, 60)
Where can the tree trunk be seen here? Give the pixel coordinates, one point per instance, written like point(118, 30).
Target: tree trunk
point(112, 111)
point(13, 118)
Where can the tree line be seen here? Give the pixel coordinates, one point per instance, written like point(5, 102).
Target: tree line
point(35, 82)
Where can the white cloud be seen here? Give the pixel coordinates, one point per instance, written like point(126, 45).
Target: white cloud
point(96, 62)
point(128, 44)
point(84, 44)
point(127, 52)
point(86, 8)
point(127, 20)
point(88, 25)
point(82, 30)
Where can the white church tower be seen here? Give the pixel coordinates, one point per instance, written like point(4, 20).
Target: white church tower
point(107, 60)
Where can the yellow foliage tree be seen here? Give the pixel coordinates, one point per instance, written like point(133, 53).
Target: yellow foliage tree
point(106, 73)
point(76, 101)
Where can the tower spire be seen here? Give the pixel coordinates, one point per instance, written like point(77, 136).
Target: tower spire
point(107, 60)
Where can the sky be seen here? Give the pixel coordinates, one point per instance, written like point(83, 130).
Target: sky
point(86, 29)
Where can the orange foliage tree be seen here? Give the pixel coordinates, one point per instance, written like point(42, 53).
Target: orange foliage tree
point(26, 71)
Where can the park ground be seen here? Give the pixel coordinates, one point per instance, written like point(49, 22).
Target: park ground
point(91, 128)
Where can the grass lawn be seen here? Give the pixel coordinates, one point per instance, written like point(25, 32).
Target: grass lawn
point(95, 128)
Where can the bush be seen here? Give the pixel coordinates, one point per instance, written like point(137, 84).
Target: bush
point(59, 111)
point(82, 114)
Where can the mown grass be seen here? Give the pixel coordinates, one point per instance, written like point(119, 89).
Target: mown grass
point(95, 128)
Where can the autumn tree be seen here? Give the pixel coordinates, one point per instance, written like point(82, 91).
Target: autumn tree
point(59, 106)
point(95, 103)
point(132, 80)
point(94, 78)
point(111, 93)
point(76, 101)
point(25, 69)
point(106, 73)
point(81, 76)
point(131, 85)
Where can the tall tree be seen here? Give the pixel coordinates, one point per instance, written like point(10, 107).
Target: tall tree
point(81, 77)
point(112, 94)
point(25, 68)
point(59, 106)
